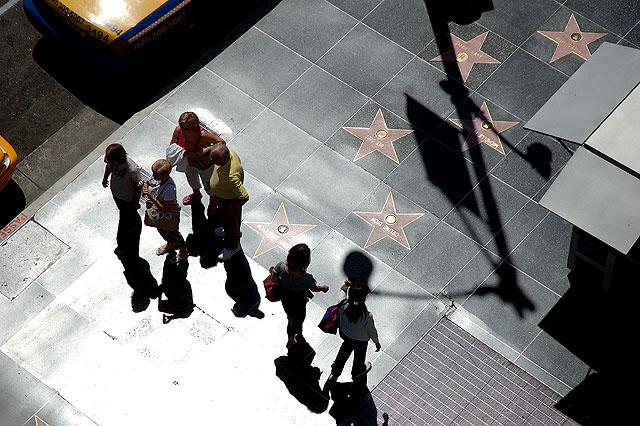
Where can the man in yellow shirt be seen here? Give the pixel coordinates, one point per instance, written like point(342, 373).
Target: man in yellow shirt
point(227, 186)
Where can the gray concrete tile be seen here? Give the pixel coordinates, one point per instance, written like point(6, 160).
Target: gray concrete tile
point(532, 163)
point(358, 9)
point(290, 24)
point(223, 107)
point(16, 313)
point(21, 264)
point(619, 18)
point(511, 305)
point(522, 84)
point(396, 303)
point(259, 66)
point(406, 22)
point(313, 186)
point(318, 94)
point(21, 394)
point(548, 266)
point(271, 139)
point(438, 258)
point(356, 61)
point(516, 21)
point(485, 211)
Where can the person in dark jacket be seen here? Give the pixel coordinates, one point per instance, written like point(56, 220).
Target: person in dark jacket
point(295, 283)
point(356, 329)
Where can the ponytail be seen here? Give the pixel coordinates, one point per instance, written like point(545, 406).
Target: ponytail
point(356, 308)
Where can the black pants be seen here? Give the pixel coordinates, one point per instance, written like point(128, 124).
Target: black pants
point(129, 228)
point(295, 306)
point(359, 349)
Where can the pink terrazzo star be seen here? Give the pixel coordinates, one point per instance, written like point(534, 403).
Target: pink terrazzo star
point(571, 40)
point(467, 54)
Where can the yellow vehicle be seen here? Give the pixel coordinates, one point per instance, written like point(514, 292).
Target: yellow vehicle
point(8, 162)
point(120, 27)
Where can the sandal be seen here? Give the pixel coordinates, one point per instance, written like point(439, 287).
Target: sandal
point(163, 250)
point(191, 198)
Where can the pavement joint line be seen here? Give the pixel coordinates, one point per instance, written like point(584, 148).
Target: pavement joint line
point(5, 7)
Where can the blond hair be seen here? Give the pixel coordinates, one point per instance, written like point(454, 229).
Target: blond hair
point(161, 167)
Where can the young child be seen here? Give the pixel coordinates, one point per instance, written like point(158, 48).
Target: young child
point(196, 143)
point(125, 175)
point(164, 197)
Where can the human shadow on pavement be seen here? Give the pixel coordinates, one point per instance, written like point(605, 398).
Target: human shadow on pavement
point(597, 326)
point(203, 242)
point(178, 302)
point(241, 287)
point(138, 275)
point(353, 404)
point(301, 378)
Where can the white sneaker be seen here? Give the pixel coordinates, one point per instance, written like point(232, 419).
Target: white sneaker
point(219, 231)
point(226, 254)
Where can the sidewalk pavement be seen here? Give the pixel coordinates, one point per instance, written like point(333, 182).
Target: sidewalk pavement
point(343, 117)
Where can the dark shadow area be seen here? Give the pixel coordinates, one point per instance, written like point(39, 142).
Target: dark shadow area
point(301, 378)
point(138, 275)
point(203, 242)
point(464, 184)
point(508, 290)
point(177, 289)
point(540, 158)
point(456, 178)
point(357, 264)
point(353, 404)
point(12, 202)
point(598, 327)
point(462, 12)
point(241, 287)
point(118, 95)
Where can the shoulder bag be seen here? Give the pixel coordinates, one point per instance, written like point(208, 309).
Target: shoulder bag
point(156, 218)
point(272, 288)
point(331, 319)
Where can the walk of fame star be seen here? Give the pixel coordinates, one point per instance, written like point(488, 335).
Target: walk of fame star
point(571, 40)
point(483, 129)
point(377, 137)
point(466, 54)
point(39, 421)
point(388, 223)
point(277, 233)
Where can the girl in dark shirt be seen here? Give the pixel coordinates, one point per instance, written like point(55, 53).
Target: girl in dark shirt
point(295, 283)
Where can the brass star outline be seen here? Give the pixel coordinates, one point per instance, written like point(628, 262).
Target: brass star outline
point(39, 421)
point(483, 129)
point(377, 137)
point(388, 223)
point(571, 40)
point(277, 233)
point(466, 54)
